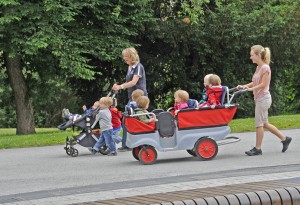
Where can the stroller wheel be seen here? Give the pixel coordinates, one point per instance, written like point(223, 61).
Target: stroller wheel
point(68, 150)
point(74, 153)
point(104, 150)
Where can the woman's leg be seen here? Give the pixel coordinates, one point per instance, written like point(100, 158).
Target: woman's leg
point(259, 137)
point(285, 140)
point(261, 118)
point(124, 137)
point(274, 130)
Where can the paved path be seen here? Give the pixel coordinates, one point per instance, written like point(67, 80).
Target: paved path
point(46, 175)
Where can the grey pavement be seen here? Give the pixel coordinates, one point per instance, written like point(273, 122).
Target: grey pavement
point(46, 175)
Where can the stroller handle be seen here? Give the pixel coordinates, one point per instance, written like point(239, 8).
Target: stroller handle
point(115, 92)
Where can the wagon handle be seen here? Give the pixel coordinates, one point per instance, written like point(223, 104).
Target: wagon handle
point(236, 93)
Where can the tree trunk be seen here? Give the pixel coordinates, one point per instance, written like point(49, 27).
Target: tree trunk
point(25, 118)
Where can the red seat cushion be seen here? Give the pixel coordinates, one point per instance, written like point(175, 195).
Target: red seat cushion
point(205, 118)
point(135, 126)
point(96, 132)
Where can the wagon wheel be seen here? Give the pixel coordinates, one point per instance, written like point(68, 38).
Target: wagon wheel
point(74, 153)
point(206, 148)
point(147, 155)
point(104, 150)
point(192, 152)
point(135, 152)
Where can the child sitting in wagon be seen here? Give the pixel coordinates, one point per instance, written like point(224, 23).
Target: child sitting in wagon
point(132, 103)
point(181, 99)
point(213, 92)
point(204, 96)
point(142, 105)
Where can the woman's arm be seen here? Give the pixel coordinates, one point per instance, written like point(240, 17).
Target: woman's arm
point(128, 84)
point(249, 85)
point(246, 86)
point(264, 82)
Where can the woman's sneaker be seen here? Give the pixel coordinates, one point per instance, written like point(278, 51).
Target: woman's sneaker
point(286, 143)
point(254, 152)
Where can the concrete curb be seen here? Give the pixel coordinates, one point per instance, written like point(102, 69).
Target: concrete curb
point(286, 196)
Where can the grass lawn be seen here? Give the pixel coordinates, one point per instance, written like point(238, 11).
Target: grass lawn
point(43, 137)
point(52, 136)
point(281, 122)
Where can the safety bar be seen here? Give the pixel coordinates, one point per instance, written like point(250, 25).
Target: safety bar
point(140, 114)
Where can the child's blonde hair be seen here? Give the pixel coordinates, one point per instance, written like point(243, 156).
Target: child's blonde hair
point(214, 80)
point(142, 102)
point(96, 104)
point(107, 101)
point(136, 94)
point(206, 79)
point(132, 54)
point(182, 95)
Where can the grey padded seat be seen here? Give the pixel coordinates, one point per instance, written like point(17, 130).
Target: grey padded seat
point(165, 124)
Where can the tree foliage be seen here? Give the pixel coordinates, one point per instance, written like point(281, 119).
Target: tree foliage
point(49, 37)
point(184, 53)
point(72, 49)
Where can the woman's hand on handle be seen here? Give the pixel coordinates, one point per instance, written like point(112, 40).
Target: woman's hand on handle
point(116, 87)
point(240, 87)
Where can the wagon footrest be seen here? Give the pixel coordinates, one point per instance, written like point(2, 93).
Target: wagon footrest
point(228, 140)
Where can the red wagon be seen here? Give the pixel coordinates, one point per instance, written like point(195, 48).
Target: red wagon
point(198, 130)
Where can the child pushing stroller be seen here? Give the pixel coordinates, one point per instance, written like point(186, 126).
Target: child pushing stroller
point(87, 121)
point(104, 119)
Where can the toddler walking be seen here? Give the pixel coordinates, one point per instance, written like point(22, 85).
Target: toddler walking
point(104, 118)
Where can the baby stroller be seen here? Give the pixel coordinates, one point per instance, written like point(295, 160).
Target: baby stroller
point(87, 137)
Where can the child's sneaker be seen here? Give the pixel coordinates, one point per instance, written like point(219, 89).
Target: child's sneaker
point(92, 150)
point(112, 154)
point(65, 112)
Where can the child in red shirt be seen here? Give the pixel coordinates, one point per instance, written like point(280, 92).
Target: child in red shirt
point(213, 92)
point(116, 117)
